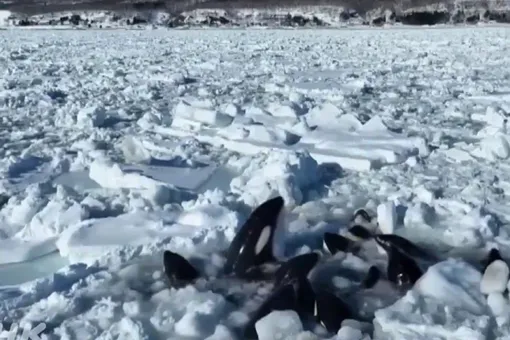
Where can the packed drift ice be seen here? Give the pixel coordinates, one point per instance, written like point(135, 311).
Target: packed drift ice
point(311, 184)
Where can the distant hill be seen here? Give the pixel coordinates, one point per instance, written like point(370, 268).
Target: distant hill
point(255, 12)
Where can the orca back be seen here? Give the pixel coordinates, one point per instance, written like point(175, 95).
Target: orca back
point(253, 244)
point(305, 297)
point(360, 232)
point(403, 245)
point(330, 310)
point(282, 298)
point(335, 243)
point(296, 268)
point(402, 270)
point(178, 269)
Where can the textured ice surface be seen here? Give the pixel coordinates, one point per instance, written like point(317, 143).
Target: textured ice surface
point(117, 145)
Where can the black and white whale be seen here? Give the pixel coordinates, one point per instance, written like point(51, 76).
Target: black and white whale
point(401, 269)
point(250, 258)
point(408, 261)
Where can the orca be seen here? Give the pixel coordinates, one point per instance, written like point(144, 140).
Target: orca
point(330, 311)
point(335, 243)
point(178, 270)
point(305, 298)
point(282, 298)
point(403, 245)
point(250, 249)
point(297, 267)
point(361, 216)
point(321, 306)
point(360, 232)
point(253, 243)
point(402, 270)
point(493, 256)
point(373, 276)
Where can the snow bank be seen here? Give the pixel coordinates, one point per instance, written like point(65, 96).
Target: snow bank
point(16, 250)
point(110, 175)
point(446, 303)
point(206, 227)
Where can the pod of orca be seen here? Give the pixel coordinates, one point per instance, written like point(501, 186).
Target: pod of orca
point(250, 258)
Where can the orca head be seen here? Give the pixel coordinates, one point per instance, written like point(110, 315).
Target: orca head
point(402, 270)
point(384, 242)
point(253, 243)
point(361, 216)
point(178, 270)
point(360, 232)
point(297, 267)
point(493, 256)
point(330, 311)
point(282, 298)
point(335, 243)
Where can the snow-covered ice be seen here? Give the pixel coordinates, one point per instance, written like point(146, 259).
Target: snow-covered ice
point(118, 145)
point(495, 278)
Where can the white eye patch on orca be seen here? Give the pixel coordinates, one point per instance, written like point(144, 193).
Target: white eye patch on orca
point(264, 237)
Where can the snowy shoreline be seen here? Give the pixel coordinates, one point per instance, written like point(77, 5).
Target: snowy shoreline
point(440, 14)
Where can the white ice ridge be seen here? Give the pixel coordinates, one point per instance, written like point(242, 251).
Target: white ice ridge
point(446, 303)
point(335, 137)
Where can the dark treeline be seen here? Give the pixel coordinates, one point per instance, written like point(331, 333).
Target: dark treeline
point(31, 7)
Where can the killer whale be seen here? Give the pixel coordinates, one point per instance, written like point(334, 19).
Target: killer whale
point(252, 245)
point(250, 249)
point(334, 243)
point(178, 270)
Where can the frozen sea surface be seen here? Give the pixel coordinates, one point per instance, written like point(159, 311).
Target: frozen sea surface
point(117, 145)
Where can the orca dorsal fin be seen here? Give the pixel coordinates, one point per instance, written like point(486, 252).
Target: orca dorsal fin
point(403, 245)
point(282, 298)
point(178, 270)
point(373, 276)
point(253, 243)
point(402, 270)
point(335, 243)
point(296, 268)
point(360, 232)
point(305, 297)
point(330, 310)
